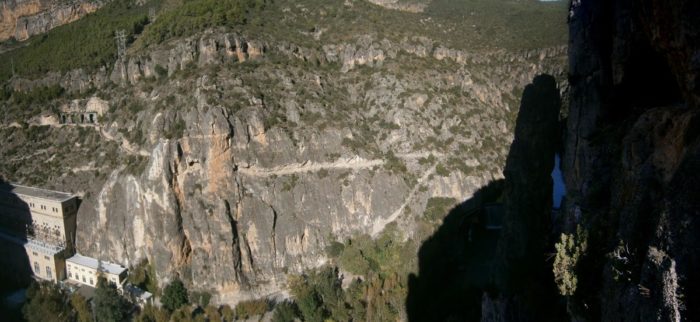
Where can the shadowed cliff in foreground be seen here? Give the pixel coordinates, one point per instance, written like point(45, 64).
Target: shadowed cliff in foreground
point(632, 160)
point(464, 262)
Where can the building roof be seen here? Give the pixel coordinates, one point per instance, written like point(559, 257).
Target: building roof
point(90, 262)
point(36, 192)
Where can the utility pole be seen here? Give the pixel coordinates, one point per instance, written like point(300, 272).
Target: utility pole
point(120, 36)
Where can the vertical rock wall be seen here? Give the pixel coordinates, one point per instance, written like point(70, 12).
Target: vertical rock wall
point(632, 158)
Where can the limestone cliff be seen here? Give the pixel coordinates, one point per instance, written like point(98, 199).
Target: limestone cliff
point(236, 202)
point(21, 19)
point(631, 163)
point(226, 160)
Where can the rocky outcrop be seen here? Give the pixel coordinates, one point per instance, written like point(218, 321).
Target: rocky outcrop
point(21, 19)
point(208, 49)
point(631, 162)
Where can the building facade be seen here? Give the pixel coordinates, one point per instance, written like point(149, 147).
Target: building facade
point(46, 260)
point(86, 270)
point(46, 220)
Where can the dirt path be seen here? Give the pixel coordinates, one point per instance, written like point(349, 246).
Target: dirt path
point(380, 224)
point(355, 163)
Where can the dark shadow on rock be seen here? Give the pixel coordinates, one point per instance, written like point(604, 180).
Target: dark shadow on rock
point(15, 272)
point(454, 263)
point(490, 254)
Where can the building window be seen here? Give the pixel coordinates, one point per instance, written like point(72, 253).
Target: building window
point(70, 275)
point(84, 279)
point(35, 254)
point(46, 258)
point(37, 270)
point(91, 283)
point(48, 272)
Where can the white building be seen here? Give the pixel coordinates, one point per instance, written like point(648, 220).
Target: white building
point(85, 270)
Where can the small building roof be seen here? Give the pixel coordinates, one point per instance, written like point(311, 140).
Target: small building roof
point(36, 192)
point(137, 292)
point(93, 263)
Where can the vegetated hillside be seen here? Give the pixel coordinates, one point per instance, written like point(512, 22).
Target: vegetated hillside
point(238, 156)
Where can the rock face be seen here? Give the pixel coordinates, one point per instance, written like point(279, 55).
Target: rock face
point(632, 159)
point(233, 161)
point(21, 19)
point(260, 180)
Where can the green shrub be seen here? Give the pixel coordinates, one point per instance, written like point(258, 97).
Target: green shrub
point(441, 170)
point(108, 304)
point(151, 313)
point(570, 248)
point(161, 71)
point(319, 295)
point(285, 312)
point(45, 299)
point(334, 249)
point(393, 164)
point(250, 308)
point(176, 130)
point(174, 295)
point(200, 298)
point(437, 208)
point(227, 313)
point(80, 305)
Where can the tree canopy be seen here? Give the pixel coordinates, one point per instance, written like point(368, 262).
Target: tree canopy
point(46, 302)
point(174, 295)
point(108, 304)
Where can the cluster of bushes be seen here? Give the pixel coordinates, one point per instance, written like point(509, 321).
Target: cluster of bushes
point(48, 300)
point(379, 295)
point(197, 15)
point(570, 248)
point(437, 208)
point(181, 305)
point(319, 296)
point(144, 276)
point(394, 165)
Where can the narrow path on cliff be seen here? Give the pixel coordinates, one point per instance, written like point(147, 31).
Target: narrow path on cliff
point(124, 144)
point(310, 166)
point(381, 223)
